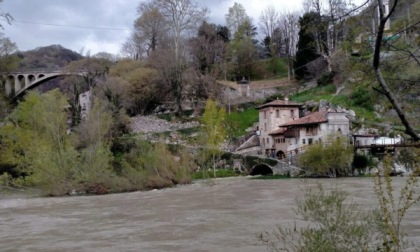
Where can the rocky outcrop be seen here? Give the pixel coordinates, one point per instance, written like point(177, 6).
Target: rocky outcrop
point(152, 124)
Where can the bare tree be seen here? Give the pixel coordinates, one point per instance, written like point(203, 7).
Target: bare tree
point(384, 88)
point(133, 47)
point(268, 20)
point(331, 14)
point(181, 17)
point(4, 16)
point(150, 26)
point(289, 26)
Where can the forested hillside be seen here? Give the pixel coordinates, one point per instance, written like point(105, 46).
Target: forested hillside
point(49, 57)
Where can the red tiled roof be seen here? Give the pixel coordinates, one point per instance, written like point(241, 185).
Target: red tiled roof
point(280, 103)
point(314, 118)
point(278, 132)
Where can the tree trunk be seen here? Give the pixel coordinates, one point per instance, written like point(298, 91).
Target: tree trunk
point(409, 130)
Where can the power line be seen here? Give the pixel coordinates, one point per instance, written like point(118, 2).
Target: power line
point(72, 26)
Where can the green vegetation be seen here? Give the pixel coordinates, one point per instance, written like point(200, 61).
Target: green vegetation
point(337, 226)
point(392, 210)
point(36, 151)
point(331, 158)
point(268, 177)
point(240, 121)
point(316, 94)
point(214, 131)
point(220, 173)
point(360, 100)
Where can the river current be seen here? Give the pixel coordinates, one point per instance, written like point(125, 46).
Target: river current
point(226, 216)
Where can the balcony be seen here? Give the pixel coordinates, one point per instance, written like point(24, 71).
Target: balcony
point(291, 133)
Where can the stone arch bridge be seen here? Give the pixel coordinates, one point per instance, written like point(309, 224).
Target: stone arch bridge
point(16, 83)
point(259, 165)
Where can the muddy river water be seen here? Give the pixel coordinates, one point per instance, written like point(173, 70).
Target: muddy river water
point(227, 216)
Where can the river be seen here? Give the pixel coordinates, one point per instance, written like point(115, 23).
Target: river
point(226, 216)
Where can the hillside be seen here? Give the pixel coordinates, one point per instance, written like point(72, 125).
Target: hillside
point(53, 56)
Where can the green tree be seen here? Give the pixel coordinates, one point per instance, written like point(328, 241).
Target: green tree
point(214, 130)
point(35, 141)
point(331, 158)
point(235, 17)
point(306, 48)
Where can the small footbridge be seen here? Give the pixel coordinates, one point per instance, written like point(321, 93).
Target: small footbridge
point(16, 83)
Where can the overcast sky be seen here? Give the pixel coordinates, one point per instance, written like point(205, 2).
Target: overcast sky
point(76, 24)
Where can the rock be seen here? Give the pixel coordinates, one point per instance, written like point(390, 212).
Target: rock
point(378, 108)
point(323, 105)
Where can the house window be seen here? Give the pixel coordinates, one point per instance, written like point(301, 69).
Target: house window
point(303, 141)
point(277, 113)
point(265, 114)
point(310, 141)
point(268, 140)
point(292, 113)
point(265, 126)
point(263, 141)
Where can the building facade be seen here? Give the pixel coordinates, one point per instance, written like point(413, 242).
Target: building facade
point(283, 132)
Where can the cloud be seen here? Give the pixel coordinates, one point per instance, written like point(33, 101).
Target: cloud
point(44, 15)
point(120, 14)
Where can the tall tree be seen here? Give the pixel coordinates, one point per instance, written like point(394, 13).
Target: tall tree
point(235, 17)
point(268, 21)
point(331, 14)
point(289, 28)
point(214, 130)
point(208, 50)
point(181, 17)
point(306, 49)
point(150, 26)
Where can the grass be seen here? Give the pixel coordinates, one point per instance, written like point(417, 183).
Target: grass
point(327, 93)
point(277, 176)
point(317, 93)
point(220, 173)
point(240, 121)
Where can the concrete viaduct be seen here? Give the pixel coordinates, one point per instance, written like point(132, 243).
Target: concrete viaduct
point(16, 83)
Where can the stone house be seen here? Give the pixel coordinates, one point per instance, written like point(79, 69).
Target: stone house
point(271, 115)
point(284, 132)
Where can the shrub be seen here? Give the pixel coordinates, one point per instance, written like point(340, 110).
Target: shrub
point(335, 225)
point(331, 158)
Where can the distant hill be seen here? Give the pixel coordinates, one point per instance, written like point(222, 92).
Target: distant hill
point(53, 56)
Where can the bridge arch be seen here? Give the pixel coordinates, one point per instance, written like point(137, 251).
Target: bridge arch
point(16, 84)
point(261, 169)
